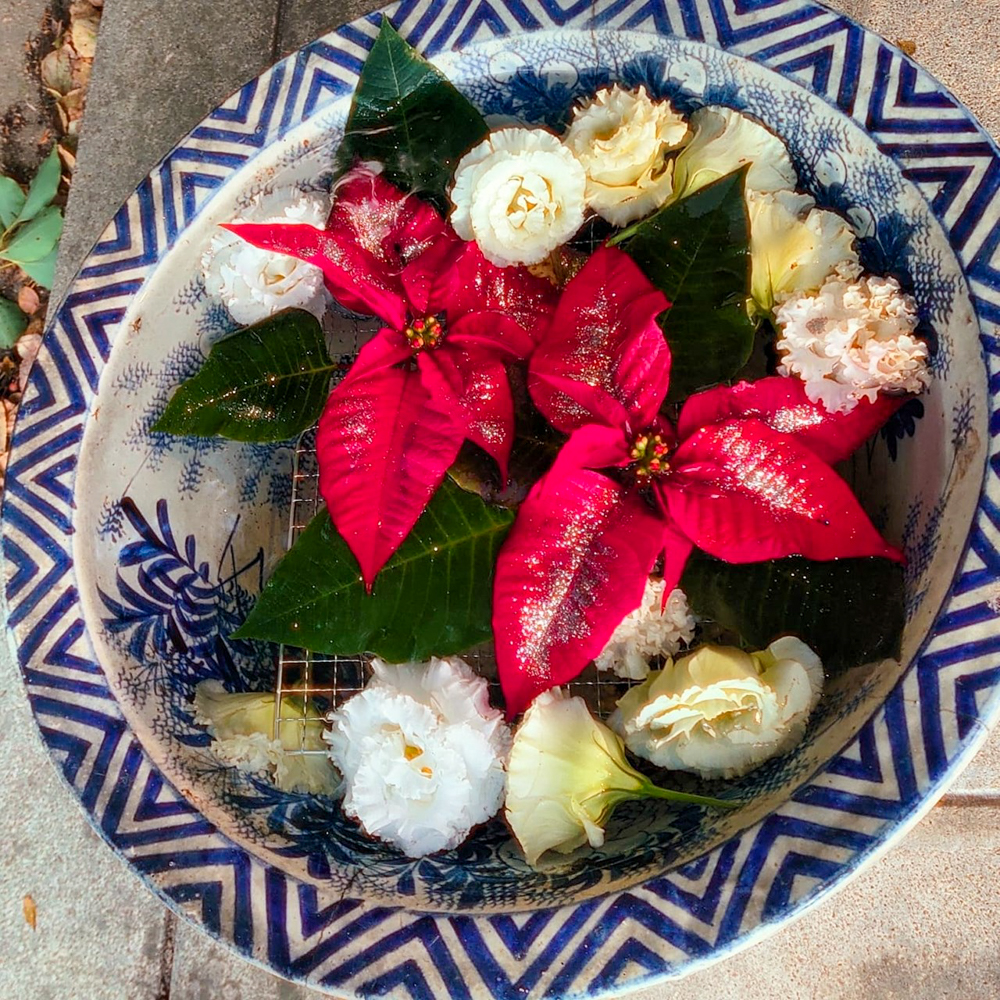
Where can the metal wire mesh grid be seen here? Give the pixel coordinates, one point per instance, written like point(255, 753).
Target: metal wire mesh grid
point(309, 685)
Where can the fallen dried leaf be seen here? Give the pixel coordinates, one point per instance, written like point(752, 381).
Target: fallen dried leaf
point(28, 300)
point(81, 73)
point(68, 158)
point(908, 46)
point(57, 71)
point(27, 904)
point(83, 32)
point(27, 350)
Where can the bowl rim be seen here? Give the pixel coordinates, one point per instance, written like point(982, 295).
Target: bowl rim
point(325, 70)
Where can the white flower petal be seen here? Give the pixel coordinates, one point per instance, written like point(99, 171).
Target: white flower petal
point(519, 194)
point(255, 284)
point(651, 630)
point(243, 727)
point(624, 140)
point(720, 712)
point(422, 754)
point(723, 141)
point(565, 773)
point(795, 246)
point(852, 339)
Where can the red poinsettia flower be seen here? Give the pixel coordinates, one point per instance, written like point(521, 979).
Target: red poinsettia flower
point(745, 476)
point(433, 377)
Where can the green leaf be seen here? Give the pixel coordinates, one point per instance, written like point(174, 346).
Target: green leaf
point(407, 116)
point(267, 382)
point(697, 252)
point(36, 239)
point(42, 272)
point(849, 610)
point(432, 598)
point(11, 202)
point(43, 188)
point(12, 323)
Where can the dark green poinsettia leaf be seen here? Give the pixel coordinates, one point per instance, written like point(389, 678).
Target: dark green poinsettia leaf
point(408, 117)
point(265, 383)
point(697, 252)
point(432, 598)
point(476, 472)
point(11, 202)
point(850, 611)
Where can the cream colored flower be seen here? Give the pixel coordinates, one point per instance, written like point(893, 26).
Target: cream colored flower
point(565, 775)
point(243, 729)
point(624, 141)
point(255, 284)
point(794, 246)
point(518, 194)
point(422, 754)
point(720, 712)
point(723, 142)
point(653, 629)
point(852, 340)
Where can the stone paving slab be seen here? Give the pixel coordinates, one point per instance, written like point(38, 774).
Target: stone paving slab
point(921, 923)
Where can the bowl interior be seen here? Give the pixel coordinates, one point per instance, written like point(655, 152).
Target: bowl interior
point(213, 517)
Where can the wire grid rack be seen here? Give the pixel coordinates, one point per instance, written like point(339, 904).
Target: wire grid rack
point(310, 685)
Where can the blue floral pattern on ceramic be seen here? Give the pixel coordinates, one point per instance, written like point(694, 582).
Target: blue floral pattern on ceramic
point(129, 558)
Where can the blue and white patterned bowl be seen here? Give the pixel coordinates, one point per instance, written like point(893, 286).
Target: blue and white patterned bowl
point(131, 556)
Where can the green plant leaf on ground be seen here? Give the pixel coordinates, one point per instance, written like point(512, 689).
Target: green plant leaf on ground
point(850, 611)
point(409, 117)
point(43, 188)
point(432, 598)
point(12, 323)
point(697, 252)
point(11, 202)
point(36, 239)
point(42, 272)
point(267, 382)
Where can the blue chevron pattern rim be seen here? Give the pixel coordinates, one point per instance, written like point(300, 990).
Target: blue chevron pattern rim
point(864, 799)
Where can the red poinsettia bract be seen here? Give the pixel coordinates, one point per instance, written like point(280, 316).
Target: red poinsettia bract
point(745, 476)
point(431, 378)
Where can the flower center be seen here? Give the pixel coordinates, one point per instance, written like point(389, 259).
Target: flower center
point(649, 455)
point(424, 333)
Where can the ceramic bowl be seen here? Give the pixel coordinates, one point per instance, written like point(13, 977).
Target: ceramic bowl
point(132, 555)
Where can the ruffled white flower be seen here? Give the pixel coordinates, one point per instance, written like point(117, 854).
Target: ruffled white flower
point(243, 729)
point(651, 630)
point(422, 754)
point(852, 340)
point(255, 284)
point(565, 775)
point(795, 247)
point(518, 194)
point(624, 141)
point(723, 142)
point(720, 712)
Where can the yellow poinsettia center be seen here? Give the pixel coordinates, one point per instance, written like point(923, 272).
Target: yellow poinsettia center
point(424, 332)
point(649, 455)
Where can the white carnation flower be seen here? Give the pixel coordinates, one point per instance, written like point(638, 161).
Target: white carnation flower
point(720, 712)
point(254, 283)
point(243, 729)
point(795, 246)
point(624, 141)
point(651, 630)
point(723, 142)
point(519, 194)
point(852, 340)
point(422, 754)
